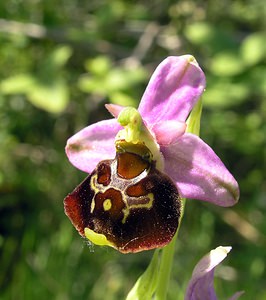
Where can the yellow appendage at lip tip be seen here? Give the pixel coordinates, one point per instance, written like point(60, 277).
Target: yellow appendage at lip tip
point(97, 238)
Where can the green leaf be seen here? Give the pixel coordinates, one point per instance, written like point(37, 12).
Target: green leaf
point(47, 89)
point(224, 93)
point(17, 84)
point(200, 33)
point(256, 79)
point(193, 122)
point(98, 66)
point(123, 99)
point(253, 48)
point(147, 282)
point(107, 81)
point(91, 85)
point(209, 36)
point(60, 56)
point(52, 98)
point(227, 64)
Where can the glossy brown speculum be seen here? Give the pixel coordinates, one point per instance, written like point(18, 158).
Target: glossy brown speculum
point(135, 206)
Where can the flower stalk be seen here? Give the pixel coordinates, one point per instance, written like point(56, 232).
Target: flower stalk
point(167, 255)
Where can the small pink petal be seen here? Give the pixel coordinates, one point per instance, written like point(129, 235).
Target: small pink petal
point(114, 109)
point(168, 132)
point(198, 172)
point(92, 144)
point(173, 90)
point(201, 283)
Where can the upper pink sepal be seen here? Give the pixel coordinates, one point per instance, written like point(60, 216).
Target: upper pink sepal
point(174, 88)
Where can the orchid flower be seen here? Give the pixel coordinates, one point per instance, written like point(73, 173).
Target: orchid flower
point(142, 162)
point(201, 283)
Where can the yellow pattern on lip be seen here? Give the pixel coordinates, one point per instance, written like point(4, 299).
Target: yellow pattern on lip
point(107, 204)
point(147, 204)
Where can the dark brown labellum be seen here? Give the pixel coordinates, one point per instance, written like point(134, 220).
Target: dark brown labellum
point(135, 206)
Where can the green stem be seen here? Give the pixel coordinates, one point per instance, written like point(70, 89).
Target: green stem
point(193, 126)
point(166, 263)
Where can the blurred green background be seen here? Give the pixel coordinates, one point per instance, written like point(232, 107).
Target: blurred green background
point(60, 62)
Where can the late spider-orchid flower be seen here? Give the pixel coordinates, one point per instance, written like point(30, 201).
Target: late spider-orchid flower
point(143, 161)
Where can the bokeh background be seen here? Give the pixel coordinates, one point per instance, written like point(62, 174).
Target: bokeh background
point(60, 62)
